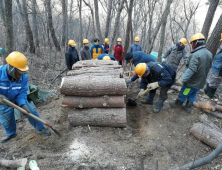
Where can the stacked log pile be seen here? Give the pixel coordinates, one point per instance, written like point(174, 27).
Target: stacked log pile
point(94, 90)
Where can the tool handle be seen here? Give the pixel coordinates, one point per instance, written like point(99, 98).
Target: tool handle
point(145, 91)
point(130, 69)
point(23, 111)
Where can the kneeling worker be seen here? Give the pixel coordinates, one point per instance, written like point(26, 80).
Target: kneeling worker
point(154, 75)
point(14, 87)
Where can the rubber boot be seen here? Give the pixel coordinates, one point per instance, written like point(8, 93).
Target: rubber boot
point(159, 106)
point(176, 103)
point(7, 138)
point(149, 99)
point(206, 89)
point(188, 106)
point(211, 92)
point(45, 131)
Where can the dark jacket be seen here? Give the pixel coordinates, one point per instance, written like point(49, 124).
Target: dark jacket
point(217, 64)
point(134, 48)
point(106, 48)
point(100, 57)
point(161, 72)
point(199, 62)
point(71, 56)
point(85, 53)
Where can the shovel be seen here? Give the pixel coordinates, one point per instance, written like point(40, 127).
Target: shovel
point(31, 115)
point(133, 102)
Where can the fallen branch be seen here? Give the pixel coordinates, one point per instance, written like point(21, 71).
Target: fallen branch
point(208, 106)
point(13, 163)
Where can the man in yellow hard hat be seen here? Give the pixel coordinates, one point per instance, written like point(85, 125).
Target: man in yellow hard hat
point(105, 46)
point(85, 52)
point(175, 53)
point(215, 76)
point(136, 46)
point(195, 75)
point(71, 54)
point(154, 75)
point(14, 87)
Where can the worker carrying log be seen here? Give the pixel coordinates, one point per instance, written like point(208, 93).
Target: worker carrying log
point(71, 54)
point(155, 75)
point(14, 87)
point(215, 77)
point(196, 73)
point(175, 53)
point(136, 58)
point(106, 57)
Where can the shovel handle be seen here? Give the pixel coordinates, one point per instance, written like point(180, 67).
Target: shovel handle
point(145, 91)
point(130, 69)
point(23, 111)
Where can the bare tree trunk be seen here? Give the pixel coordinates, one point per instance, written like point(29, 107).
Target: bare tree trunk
point(108, 18)
point(117, 23)
point(209, 17)
point(50, 24)
point(97, 20)
point(6, 11)
point(163, 28)
point(214, 40)
point(64, 22)
point(129, 26)
point(80, 20)
point(34, 23)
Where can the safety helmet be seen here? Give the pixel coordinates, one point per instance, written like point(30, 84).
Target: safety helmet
point(71, 42)
point(140, 69)
point(17, 60)
point(96, 39)
point(137, 39)
point(197, 36)
point(119, 40)
point(106, 40)
point(183, 41)
point(85, 41)
point(106, 58)
point(221, 37)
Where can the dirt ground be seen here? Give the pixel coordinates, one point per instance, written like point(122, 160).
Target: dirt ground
point(148, 136)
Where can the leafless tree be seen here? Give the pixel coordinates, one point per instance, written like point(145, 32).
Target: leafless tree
point(108, 18)
point(98, 29)
point(64, 23)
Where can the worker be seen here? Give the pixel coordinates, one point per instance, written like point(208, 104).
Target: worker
point(136, 46)
point(175, 53)
point(106, 56)
point(118, 52)
point(195, 75)
point(96, 49)
point(85, 52)
point(71, 54)
point(136, 58)
point(155, 75)
point(14, 87)
point(215, 76)
point(105, 46)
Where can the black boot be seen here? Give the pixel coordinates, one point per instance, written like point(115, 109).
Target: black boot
point(188, 106)
point(211, 92)
point(206, 88)
point(7, 138)
point(147, 102)
point(176, 103)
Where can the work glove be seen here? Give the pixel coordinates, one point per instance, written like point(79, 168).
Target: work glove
point(163, 60)
point(1, 99)
point(140, 93)
point(153, 86)
point(179, 82)
point(128, 81)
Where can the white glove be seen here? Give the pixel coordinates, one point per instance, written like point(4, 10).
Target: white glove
point(153, 86)
point(163, 60)
point(140, 93)
point(179, 82)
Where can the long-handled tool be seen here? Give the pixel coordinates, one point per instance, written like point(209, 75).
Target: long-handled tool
point(130, 69)
point(31, 115)
point(133, 102)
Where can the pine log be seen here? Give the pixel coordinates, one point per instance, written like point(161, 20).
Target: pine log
point(90, 102)
point(207, 134)
point(80, 66)
point(112, 117)
point(206, 120)
point(208, 106)
point(92, 86)
point(97, 62)
point(177, 88)
point(215, 114)
point(13, 163)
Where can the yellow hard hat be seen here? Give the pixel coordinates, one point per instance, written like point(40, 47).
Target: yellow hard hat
point(17, 60)
point(106, 40)
point(183, 41)
point(197, 36)
point(106, 58)
point(119, 40)
point(85, 41)
point(140, 69)
point(221, 37)
point(71, 42)
point(137, 39)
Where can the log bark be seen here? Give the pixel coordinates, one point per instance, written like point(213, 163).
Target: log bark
point(13, 163)
point(97, 62)
point(206, 120)
point(115, 117)
point(92, 86)
point(80, 66)
point(90, 102)
point(208, 106)
point(215, 114)
point(206, 134)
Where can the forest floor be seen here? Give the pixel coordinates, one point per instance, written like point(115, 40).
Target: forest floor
point(148, 136)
